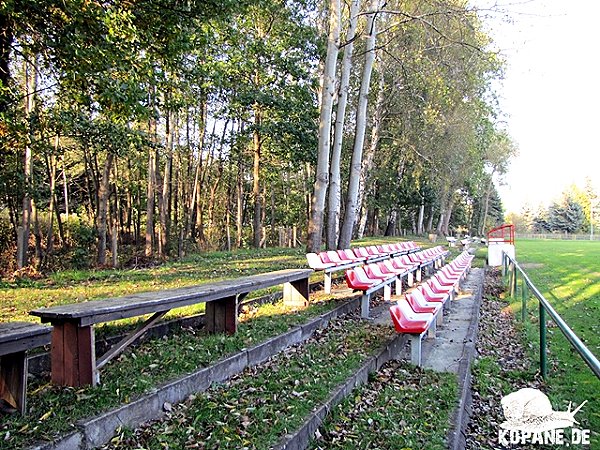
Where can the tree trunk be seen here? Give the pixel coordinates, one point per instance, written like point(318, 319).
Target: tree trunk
point(66, 197)
point(362, 221)
point(228, 219)
point(352, 203)
point(486, 204)
point(24, 229)
point(149, 250)
point(138, 216)
point(239, 216)
point(216, 183)
point(152, 175)
point(117, 213)
point(193, 208)
point(440, 225)
point(102, 220)
point(37, 233)
point(390, 229)
point(256, 194)
point(114, 225)
point(448, 216)
point(367, 164)
point(165, 197)
point(315, 224)
point(420, 229)
point(443, 206)
point(335, 196)
point(430, 219)
point(114, 244)
point(51, 171)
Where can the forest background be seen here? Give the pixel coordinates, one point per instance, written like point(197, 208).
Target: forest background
point(144, 130)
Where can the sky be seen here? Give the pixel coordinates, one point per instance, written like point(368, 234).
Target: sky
point(550, 95)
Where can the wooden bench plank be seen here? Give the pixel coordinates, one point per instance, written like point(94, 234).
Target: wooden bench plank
point(21, 336)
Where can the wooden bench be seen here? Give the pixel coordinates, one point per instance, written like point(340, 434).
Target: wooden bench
point(73, 356)
point(16, 339)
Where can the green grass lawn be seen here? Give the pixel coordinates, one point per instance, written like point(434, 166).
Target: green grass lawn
point(567, 273)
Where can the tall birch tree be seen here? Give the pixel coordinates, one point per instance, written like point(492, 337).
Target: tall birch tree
point(335, 179)
point(352, 204)
point(317, 210)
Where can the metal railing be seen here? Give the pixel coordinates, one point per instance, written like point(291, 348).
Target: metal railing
point(511, 268)
point(560, 236)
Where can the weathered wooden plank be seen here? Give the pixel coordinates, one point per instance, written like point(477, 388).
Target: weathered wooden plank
point(86, 356)
point(13, 380)
point(222, 316)
point(231, 315)
point(296, 293)
point(73, 355)
point(57, 355)
point(24, 344)
point(20, 336)
point(70, 355)
point(132, 337)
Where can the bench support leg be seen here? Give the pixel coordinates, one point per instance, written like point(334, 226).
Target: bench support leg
point(73, 356)
point(411, 279)
point(364, 306)
point(387, 292)
point(419, 275)
point(439, 318)
point(398, 286)
point(222, 315)
point(13, 380)
point(296, 292)
point(431, 330)
point(448, 304)
point(118, 348)
point(415, 349)
point(327, 283)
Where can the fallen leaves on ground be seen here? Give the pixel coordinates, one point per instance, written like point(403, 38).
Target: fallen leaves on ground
point(402, 407)
point(502, 366)
point(257, 407)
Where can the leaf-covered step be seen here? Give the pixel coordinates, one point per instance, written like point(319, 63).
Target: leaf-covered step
point(255, 409)
point(402, 407)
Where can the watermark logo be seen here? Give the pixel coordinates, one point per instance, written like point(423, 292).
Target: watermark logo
point(530, 419)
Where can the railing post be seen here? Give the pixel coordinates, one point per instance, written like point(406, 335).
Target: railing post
point(513, 281)
point(524, 297)
point(543, 355)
